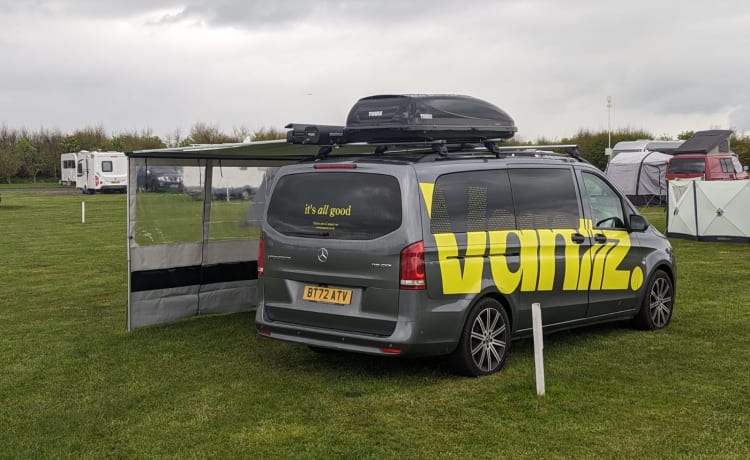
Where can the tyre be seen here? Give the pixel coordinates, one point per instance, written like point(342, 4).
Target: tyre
point(656, 309)
point(485, 340)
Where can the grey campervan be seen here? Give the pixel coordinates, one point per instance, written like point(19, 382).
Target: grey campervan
point(442, 250)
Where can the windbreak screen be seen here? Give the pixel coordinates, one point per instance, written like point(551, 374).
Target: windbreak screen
point(169, 205)
point(193, 230)
point(338, 205)
point(236, 202)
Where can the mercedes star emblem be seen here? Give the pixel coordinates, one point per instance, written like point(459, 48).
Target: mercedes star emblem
point(322, 254)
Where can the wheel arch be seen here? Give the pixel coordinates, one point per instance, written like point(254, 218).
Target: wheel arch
point(666, 268)
point(496, 295)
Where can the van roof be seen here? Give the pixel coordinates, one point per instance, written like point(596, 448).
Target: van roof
point(704, 141)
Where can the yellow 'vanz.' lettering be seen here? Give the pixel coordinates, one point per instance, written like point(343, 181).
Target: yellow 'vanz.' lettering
point(456, 280)
point(427, 191)
point(507, 281)
point(600, 257)
point(572, 262)
point(584, 278)
point(529, 259)
point(614, 278)
point(546, 259)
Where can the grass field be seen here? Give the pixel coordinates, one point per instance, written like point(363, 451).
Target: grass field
point(75, 384)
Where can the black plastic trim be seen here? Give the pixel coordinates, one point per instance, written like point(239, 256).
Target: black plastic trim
point(169, 278)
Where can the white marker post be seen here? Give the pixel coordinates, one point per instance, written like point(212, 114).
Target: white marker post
point(83, 212)
point(536, 324)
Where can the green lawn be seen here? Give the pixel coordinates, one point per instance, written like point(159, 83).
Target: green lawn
point(74, 384)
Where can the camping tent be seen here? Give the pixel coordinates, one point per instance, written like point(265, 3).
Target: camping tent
point(640, 175)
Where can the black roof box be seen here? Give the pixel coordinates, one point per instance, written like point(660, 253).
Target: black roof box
point(426, 118)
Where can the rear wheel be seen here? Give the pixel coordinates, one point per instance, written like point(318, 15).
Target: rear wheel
point(656, 310)
point(485, 340)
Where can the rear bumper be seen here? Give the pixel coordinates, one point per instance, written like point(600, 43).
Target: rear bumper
point(404, 338)
point(113, 188)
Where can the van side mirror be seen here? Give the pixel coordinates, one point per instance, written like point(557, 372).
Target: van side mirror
point(638, 223)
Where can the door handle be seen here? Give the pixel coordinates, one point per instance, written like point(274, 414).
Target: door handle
point(600, 238)
point(577, 238)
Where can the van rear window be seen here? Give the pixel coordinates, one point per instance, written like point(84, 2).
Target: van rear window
point(687, 165)
point(338, 205)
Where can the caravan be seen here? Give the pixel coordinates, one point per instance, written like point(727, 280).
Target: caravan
point(68, 168)
point(101, 171)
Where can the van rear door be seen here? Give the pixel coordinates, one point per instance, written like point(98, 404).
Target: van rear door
point(332, 239)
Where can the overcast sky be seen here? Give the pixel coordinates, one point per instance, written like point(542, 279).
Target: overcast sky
point(669, 65)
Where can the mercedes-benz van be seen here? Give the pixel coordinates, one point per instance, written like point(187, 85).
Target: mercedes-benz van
point(443, 252)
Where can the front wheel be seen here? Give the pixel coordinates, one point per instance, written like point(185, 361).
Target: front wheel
point(485, 340)
point(658, 303)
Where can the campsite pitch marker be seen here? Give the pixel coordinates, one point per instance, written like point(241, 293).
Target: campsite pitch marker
point(536, 324)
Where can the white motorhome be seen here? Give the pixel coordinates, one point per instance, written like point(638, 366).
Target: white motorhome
point(101, 171)
point(68, 168)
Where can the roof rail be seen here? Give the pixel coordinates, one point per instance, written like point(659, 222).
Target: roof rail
point(570, 150)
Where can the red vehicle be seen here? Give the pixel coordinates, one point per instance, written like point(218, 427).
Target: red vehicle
point(708, 167)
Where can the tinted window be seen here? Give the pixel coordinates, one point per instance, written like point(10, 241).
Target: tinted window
point(349, 206)
point(726, 165)
point(545, 198)
point(472, 201)
point(106, 166)
point(604, 202)
point(687, 165)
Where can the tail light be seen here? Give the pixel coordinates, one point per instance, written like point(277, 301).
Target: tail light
point(391, 350)
point(261, 257)
point(96, 180)
point(412, 267)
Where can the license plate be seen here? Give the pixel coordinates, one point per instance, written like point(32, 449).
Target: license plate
point(327, 295)
point(115, 181)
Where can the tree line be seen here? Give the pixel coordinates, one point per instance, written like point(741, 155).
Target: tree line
point(31, 155)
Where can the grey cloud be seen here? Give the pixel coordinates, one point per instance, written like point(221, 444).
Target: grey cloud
point(251, 13)
point(542, 59)
point(269, 13)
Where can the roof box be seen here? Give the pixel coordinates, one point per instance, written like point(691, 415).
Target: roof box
point(392, 119)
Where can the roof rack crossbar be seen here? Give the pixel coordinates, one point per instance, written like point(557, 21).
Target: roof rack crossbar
point(492, 147)
point(440, 148)
point(323, 152)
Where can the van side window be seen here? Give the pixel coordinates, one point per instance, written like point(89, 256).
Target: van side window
point(605, 204)
point(726, 165)
point(545, 198)
point(473, 201)
point(80, 168)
